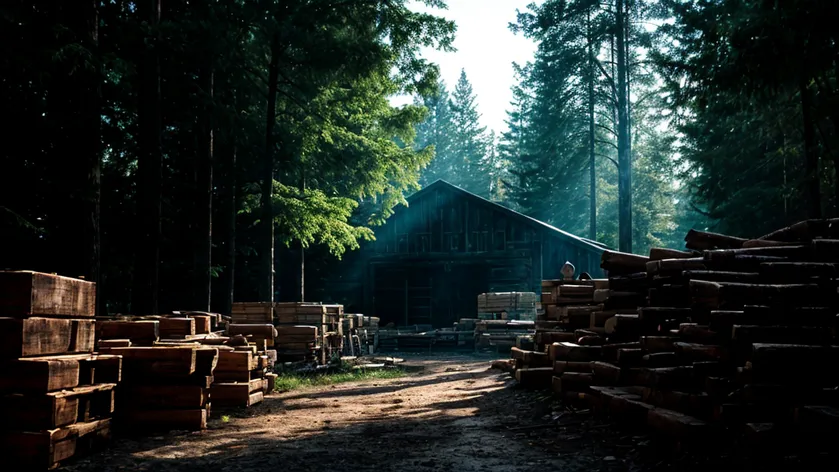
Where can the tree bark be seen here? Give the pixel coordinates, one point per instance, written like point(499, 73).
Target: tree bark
point(144, 297)
point(591, 136)
point(624, 158)
point(811, 156)
point(267, 223)
point(203, 247)
point(230, 237)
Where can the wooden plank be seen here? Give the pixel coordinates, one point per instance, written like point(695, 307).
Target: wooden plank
point(140, 362)
point(45, 449)
point(38, 375)
point(176, 327)
point(236, 394)
point(42, 336)
point(26, 293)
point(162, 420)
point(162, 397)
point(232, 361)
point(136, 331)
point(29, 412)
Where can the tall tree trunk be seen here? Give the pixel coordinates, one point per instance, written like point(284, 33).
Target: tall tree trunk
point(229, 273)
point(203, 240)
point(811, 156)
point(302, 248)
point(266, 283)
point(591, 154)
point(144, 296)
point(624, 159)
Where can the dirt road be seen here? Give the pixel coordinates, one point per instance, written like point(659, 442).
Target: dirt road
point(456, 414)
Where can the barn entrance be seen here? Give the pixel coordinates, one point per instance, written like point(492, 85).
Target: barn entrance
point(435, 293)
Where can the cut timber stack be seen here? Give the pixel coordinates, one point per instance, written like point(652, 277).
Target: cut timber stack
point(327, 318)
point(239, 378)
point(507, 306)
point(369, 333)
point(164, 387)
point(56, 399)
point(252, 312)
point(297, 343)
point(500, 335)
point(734, 335)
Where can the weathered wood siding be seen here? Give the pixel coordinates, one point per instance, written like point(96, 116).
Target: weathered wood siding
point(431, 259)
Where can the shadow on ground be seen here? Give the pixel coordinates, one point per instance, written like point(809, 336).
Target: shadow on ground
point(472, 419)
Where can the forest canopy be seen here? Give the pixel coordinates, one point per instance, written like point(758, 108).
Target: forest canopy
point(176, 151)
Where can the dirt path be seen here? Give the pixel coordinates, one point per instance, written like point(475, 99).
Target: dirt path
point(454, 415)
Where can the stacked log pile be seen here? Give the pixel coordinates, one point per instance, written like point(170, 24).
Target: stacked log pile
point(507, 306)
point(729, 335)
point(57, 397)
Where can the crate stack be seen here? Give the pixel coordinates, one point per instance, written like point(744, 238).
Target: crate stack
point(507, 306)
point(352, 326)
point(326, 318)
point(733, 335)
point(57, 397)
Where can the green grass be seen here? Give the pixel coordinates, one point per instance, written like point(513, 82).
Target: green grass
point(292, 381)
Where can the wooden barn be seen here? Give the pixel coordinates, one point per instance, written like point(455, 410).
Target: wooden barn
point(432, 258)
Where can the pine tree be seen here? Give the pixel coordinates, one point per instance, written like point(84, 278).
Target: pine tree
point(468, 141)
point(436, 131)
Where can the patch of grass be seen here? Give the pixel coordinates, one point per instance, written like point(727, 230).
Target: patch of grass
point(225, 419)
point(294, 381)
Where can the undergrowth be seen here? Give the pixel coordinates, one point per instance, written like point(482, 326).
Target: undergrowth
point(294, 381)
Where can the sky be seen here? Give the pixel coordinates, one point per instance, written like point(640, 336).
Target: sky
point(486, 49)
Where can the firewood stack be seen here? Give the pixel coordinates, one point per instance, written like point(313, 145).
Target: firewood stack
point(733, 334)
point(57, 397)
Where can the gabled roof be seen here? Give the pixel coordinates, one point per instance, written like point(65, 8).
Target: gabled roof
point(563, 235)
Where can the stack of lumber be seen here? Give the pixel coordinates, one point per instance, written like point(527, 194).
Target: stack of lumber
point(263, 335)
point(297, 343)
point(240, 377)
point(327, 318)
point(395, 338)
point(368, 333)
point(205, 323)
point(56, 398)
point(532, 369)
point(252, 312)
point(507, 306)
point(735, 335)
point(352, 324)
point(500, 335)
point(164, 387)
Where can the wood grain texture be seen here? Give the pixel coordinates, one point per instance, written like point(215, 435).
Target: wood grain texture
point(26, 293)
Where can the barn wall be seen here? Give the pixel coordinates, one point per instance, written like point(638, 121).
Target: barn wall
point(431, 260)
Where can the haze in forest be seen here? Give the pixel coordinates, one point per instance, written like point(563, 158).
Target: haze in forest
point(486, 50)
